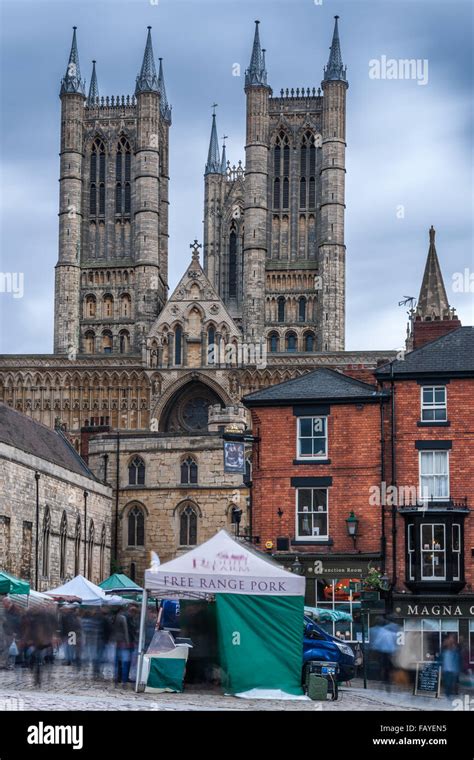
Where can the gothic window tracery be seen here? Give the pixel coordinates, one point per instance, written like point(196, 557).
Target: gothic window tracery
point(281, 172)
point(136, 472)
point(189, 471)
point(188, 526)
point(123, 177)
point(97, 179)
point(136, 527)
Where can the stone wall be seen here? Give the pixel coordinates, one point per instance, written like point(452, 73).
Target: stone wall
point(61, 492)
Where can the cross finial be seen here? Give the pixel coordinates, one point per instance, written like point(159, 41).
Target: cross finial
point(214, 106)
point(195, 247)
point(224, 137)
point(432, 234)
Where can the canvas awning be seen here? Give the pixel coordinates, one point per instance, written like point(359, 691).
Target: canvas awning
point(119, 583)
point(222, 565)
point(11, 585)
point(259, 612)
point(84, 590)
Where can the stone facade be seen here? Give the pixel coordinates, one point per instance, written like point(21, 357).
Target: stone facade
point(74, 533)
point(163, 497)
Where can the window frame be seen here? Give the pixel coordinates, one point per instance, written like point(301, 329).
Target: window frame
point(422, 454)
point(433, 406)
point(441, 552)
point(312, 537)
point(325, 454)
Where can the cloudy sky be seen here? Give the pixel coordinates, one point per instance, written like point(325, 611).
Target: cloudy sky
point(409, 157)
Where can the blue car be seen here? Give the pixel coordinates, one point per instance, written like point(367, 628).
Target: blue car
point(319, 645)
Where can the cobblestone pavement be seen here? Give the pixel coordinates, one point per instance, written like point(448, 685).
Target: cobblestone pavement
point(63, 689)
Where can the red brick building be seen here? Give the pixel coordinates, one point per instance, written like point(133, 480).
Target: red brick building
point(320, 459)
point(430, 462)
point(317, 456)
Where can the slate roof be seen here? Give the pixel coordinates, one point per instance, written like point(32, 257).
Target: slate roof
point(320, 385)
point(451, 354)
point(21, 431)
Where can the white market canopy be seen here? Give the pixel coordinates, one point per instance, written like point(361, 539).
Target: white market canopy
point(222, 565)
point(86, 591)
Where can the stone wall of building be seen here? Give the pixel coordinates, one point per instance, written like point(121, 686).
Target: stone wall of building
point(61, 498)
point(163, 497)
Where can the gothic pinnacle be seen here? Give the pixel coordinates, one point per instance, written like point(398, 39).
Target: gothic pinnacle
point(335, 70)
point(147, 81)
point(71, 82)
point(256, 73)
point(165, 107)
point(93, 87)
point(213, 165)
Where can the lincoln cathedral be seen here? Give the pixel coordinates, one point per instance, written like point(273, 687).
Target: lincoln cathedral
point(144, 382)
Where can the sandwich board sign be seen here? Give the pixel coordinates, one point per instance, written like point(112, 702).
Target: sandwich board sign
point(428, 679)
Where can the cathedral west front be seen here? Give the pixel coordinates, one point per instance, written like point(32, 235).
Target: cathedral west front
point(147, 383)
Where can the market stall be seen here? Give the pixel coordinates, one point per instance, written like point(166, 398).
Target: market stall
point(118, 583)
point(11, 585)
point(84, 590)
point(259, 612)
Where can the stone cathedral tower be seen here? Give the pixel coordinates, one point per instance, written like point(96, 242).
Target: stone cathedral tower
point(112, 270)
point(274, 234)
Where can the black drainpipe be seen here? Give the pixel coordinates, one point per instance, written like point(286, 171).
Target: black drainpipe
point(85, 533)
point(117, 491)
point(394, 482)
point(37, 479)
point(383, 538)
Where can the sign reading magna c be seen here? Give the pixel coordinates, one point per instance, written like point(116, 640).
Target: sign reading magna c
point(434, 610)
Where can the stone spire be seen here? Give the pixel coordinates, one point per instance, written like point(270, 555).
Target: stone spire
point(147, 81)
point(93, 87)
point(256, 73)
point(224, 157)
point(213, 165)
point(165, 107)
point(71, 82)
point(335, 70)
point(432, 301)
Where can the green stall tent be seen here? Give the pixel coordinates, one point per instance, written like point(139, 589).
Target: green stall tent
point(118, 583)
point(11, 585)
point(260, 611)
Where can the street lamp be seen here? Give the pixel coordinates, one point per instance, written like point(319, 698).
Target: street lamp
point(385, 582)
point(297, 567)
point(352, 526)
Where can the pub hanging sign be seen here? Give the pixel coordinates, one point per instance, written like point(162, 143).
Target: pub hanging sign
point(234, 456)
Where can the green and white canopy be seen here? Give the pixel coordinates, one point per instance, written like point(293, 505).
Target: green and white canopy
point(11, 585)
point(222, 565)
point(260, 612)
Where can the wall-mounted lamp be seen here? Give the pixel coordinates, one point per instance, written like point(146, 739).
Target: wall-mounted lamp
point(352, 526)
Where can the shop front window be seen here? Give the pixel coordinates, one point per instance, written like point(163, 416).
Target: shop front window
point(336, 594)
point(424, 637)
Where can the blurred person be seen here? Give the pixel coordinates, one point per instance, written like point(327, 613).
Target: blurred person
point(42, 631)
point(383, 641)
point(123, 647)
point(71, 635)
point(450, 659)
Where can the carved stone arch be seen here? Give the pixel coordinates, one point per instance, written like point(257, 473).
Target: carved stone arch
point(285, 127)
point(124, 512)
point(194, 306)
point(172, 394)
point(184, 503)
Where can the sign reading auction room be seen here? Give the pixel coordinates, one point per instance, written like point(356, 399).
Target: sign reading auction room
point(428, 679)
point(341, 569)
